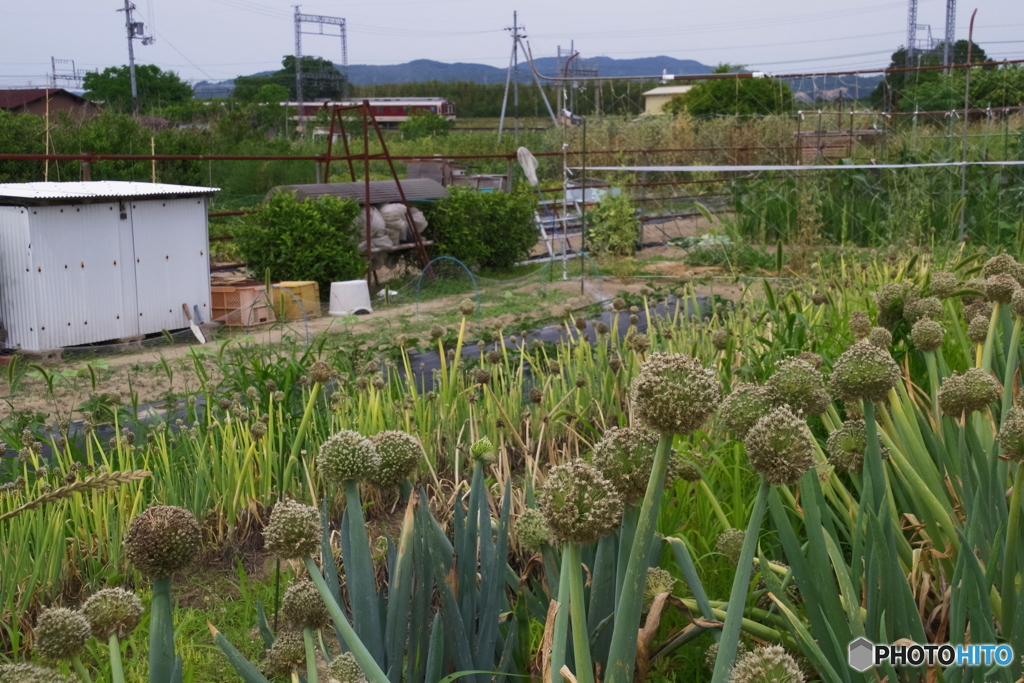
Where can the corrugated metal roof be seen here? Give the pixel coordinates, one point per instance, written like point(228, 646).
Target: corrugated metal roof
point(50, 193)
point(668, 90)
point(381, 191)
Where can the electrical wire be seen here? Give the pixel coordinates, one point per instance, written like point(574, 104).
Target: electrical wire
point(735, 25)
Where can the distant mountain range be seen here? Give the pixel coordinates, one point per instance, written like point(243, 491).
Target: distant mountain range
point(430, 70)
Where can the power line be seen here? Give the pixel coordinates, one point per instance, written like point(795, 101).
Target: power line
point(735, 25)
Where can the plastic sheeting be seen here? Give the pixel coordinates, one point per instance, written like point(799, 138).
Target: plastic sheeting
point(397, 222)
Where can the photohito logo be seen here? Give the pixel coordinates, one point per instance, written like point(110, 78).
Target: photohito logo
point(864, 654)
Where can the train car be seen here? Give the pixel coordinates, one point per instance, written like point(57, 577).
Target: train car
point(389, 111)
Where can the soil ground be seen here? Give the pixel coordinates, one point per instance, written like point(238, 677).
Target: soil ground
point(154, 374)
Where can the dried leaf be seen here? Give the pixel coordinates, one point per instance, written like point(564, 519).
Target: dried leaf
point(98, 482)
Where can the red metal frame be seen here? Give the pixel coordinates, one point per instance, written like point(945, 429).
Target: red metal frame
point(338, 126)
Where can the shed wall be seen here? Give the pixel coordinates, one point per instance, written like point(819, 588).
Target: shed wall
point(82, 274)
point(74, 274)
point(17, 299)
point(172, 266)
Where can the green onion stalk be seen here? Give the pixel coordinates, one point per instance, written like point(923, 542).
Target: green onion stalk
point(671, 394)
point(580, 507)
point(366, 662)
point(311, 672)
point(622, 654)
point(730, 636)
point(284, 471)
point(294, 532)
point(572, 565)
point(116, 667)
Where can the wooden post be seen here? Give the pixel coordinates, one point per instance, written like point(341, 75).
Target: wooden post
point(152, 151)
point(46, 167)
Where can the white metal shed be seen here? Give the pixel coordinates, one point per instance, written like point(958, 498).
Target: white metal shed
point(86, 262)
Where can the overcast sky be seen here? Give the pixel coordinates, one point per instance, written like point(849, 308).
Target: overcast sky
point(219, 39)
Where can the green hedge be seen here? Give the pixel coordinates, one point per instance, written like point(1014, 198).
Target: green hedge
point(484, 229)
point(313, 240)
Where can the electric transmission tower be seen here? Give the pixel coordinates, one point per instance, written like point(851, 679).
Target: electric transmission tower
point(911, 30)
point(136, 31)
point(947, 44)
point(321, 21)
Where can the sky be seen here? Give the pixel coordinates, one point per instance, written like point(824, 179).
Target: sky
point(220, 39)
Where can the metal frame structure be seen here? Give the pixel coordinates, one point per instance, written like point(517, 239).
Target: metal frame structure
point(338, 128)
point(322, 21)
point(68, 75)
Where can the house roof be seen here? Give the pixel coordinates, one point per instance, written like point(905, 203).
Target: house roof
point(381, 191)
point(22, 194)
point(669, 90)
point(13, 99)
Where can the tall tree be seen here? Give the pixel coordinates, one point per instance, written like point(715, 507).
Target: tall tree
point(887, 94)
point(156, 87)
point(320, 79)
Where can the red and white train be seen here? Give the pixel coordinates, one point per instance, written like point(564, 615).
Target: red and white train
point(387, 110)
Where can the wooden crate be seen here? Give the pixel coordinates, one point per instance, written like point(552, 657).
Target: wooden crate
point(241, 305)
point(308, 295)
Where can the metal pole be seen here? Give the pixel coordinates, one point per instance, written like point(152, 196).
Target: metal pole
point(583, 212)
point(963, 145)
point(504, 99)
point(544, 97)
point(130, 27)
point(366, 178)
point(515, 71)
point(298, 67)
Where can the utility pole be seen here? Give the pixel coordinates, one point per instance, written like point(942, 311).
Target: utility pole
point(512, 77)
point(135, 30)
point(515, 72)
point(298, 66)
point(963, 144)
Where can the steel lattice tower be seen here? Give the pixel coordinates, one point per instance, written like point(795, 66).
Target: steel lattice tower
point(911, 30)
point(950, 39)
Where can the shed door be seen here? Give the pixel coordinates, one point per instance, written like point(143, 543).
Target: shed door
point(171, 261)
point(81, 274)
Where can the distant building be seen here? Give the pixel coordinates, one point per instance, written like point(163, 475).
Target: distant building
point(33, 101)
point(656, 99)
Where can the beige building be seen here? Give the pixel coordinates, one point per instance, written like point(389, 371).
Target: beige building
point(657, 98)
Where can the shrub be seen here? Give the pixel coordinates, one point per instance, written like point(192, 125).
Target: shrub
point(484, 229)
point(421, 124)
point(732, 257)
point(302, 240)
point(612, 226)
